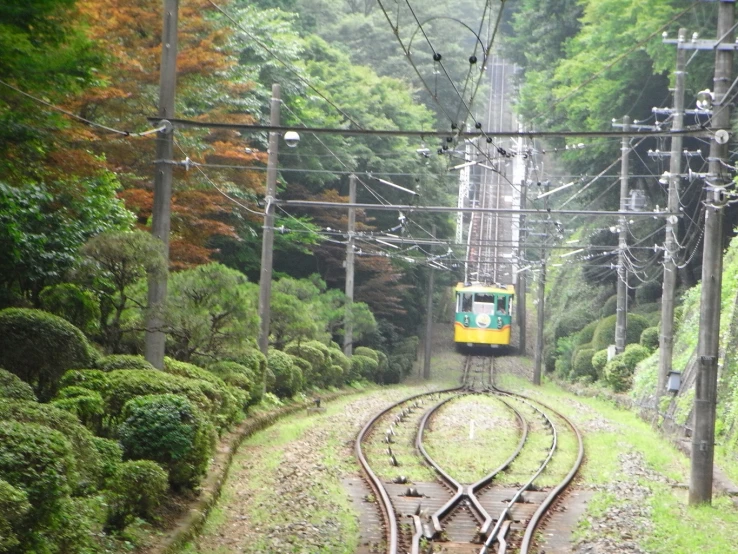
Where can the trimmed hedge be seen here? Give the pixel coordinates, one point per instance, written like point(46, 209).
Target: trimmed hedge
point(14, 388)
point(604, 335)
point(650, 338)
point(170, 430)
point(599, 361)
point(111, 455)
point(39, 347)
point(123, 361)
point(617, 375)
point(582, 364)
point(633, 354)
point(86, 404)
point(239, 376)
point(287, 378)
point(13, 508)
point(88, 475)
point(137, 489)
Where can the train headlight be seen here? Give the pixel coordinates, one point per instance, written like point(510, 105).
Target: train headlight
point(499, 323)
point(466, 321)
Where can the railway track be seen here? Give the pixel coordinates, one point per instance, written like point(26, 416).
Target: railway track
point(424, 508)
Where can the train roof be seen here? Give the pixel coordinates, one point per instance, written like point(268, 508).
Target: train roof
point(479, 287)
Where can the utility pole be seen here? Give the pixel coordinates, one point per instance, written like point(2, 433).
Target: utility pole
point(620, 325)
point(705, 398)
point(348, 326)
point(267, 245)
point(538, 359)
point(666, 339)
point(155, 340)
point(522, 280)
point(429, 320)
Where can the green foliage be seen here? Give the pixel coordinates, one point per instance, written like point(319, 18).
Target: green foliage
point(89, 465)
point(565, 347)
point(599, 360)
point(92, 379)
point(123, 361)
point(111, 456)
point(79, 307)
point(39, 347)
point(86, 404)
point(582, 364)
point(364, 367)
point(137, 490)
point(291, 320)
point(618, 375)
point(609, 307)
point(648, 293)
point(369, 352)
point(13, 507)
point(287, 377)
point(39, 462)
point(12, 387)
point(211, 311)
point(650, 338)
point(605, 333)
point(239, 376)
point(633, 354)
point(586, 335)
point(170, 430)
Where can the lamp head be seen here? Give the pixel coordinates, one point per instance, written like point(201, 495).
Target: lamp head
point(291, 138)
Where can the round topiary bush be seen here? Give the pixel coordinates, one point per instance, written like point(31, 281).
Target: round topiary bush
point(79, 307)
point(13, 508)
point(633, 354)
point(582, 364)
point(315, 357)
point(587, 333)
point(136, 490)
point(306, 370)
point(610, 306)
point(86, 404)
point(123, 361)
point(88, 475)
point(111, 455)
point(239, 376)
point(14, 388)
point(599, 361)
point(604, 334)
point(170, 430)
point(650, 338)
point(39, 347)
point(648, 293)
point(617, 375)
point(37, 461)
point(287, 377)
point(368, 352)
point(363, 367)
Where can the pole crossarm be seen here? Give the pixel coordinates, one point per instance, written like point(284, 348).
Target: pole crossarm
point(409, 208)
point(456, 134)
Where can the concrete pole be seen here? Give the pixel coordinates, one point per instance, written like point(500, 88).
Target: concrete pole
point(267, 245)
point(538, 358)
point(622, 310)
point(348, 326)
point(666, 339)
point(522, 277)
point(429, 320)
point(155, 340)
point(705, 398)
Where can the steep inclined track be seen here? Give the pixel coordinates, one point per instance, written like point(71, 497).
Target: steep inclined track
point(481, 517)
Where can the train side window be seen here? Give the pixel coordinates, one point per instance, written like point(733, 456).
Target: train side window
point(467, 300)
point(502, 305)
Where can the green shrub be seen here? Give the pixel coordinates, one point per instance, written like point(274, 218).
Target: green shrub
point(86, 404)
point(123, 361)
point(587, 333)
point(227, 402)
point(92, 379)
point(79, 307)
point(610, 307)
point(111, 455)
point(287, 377)
point(604, 335)
point(13, 508)
point(137, 490)
point(238, 376)
point(599, 360)
point(338, 358)
point(582, 364)
point(571, 322)
point(14, 388)
point(633, 354)
point(37, 461)
point(648, 293)
point(650, 338)
point(368, 352)
point(170, 430)
point(306, 370)
point(256, 362)
point(89, 464)
point(39, 347)
point(617, 375)
point(316, 358)
point(363, 367)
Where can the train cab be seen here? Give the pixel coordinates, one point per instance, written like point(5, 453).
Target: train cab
point(483, 314)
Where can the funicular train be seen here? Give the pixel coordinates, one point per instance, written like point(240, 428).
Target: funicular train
point(483, 315)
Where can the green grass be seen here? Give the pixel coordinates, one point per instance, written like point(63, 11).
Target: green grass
point(495, 438)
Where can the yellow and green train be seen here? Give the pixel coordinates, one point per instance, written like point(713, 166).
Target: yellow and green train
point(483, 314)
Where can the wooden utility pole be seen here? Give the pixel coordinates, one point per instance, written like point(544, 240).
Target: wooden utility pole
point(348, 327)
point(705, 398)
point(622, 309)
point(666, 339)
point(267, 245)
point(155, 340)
point(429, 319)
point(522, 279)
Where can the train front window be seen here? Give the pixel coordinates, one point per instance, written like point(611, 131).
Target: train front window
point(502, 305)
point(465, 302)
point(484, 303)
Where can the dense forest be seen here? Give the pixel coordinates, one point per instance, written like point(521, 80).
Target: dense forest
point(79, 80)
